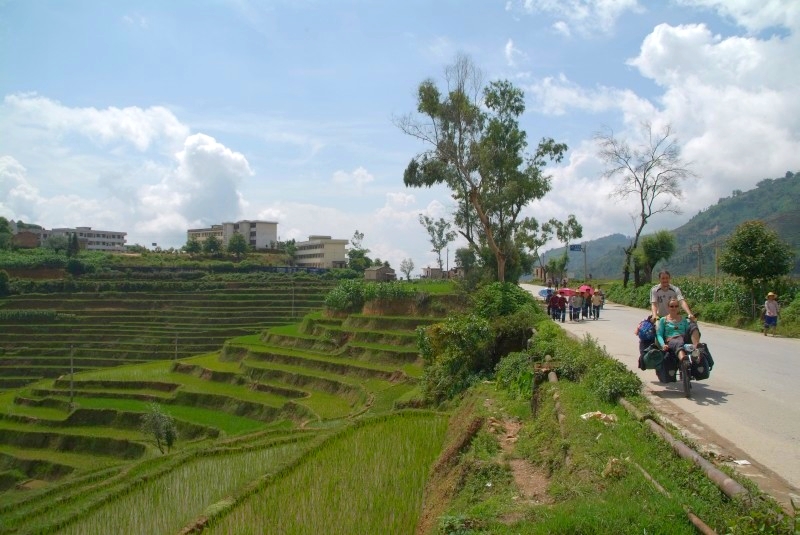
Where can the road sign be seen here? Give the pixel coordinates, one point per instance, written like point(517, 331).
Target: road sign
point(576, 247)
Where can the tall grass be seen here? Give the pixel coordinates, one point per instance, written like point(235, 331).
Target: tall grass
point(369, 480)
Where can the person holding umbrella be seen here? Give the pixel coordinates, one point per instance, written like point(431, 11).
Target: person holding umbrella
point(559, 306)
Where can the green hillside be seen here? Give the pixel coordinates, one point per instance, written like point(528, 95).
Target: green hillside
point(774, 201)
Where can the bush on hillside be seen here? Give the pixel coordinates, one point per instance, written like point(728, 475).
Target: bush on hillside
point(351, 294)
point(5, 288)
point(456, 352)
point(584, 361)
point(514, 374)
point(499, 299)
point(466, 348)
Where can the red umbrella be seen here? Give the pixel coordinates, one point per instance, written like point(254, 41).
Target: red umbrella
point(567, 291)
point(585, 288)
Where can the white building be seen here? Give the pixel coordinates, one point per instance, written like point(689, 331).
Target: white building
point(259, 234)
point(89, 239)
point(321, 252)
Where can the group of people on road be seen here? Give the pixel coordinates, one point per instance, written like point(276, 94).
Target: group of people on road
point(582, 303)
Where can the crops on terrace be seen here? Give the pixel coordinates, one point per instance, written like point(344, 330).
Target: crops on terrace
point(180, 485)
point(45, 335)
point(312, 374)
point(369, 479)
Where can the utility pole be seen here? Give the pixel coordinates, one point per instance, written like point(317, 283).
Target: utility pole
point(585, 270)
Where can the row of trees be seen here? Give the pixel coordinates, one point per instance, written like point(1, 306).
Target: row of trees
point(475, 147)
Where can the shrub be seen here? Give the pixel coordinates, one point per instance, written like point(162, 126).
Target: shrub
point(514, 374)
point(457, 353)
point(161, 426)
point(500, 299)
point(387, 291)
point(511, 332)
point(718, 312)
point(75, 267)
point(549, 340)
point(348, 296)
point(5, 287)
point(609, 379)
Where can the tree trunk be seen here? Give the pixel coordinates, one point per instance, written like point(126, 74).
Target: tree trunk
point(487, 228)
point(626, 269)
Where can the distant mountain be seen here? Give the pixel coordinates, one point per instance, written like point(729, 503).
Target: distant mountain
point(774, 201)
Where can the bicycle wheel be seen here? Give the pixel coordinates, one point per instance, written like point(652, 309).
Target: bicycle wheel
point(686, 376)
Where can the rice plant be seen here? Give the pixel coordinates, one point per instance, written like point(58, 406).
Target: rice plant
point(370, 480)
point(166, 504)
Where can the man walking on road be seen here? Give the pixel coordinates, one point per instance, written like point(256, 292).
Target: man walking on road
point(660, 296)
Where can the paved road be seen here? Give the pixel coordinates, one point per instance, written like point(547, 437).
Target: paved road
point(750, 406)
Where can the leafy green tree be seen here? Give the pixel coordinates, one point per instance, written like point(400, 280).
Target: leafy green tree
point(193, 246)
point(357, 258)
point(466, 259)
point(238, 246)
point(212, 245)
point(652, 249)
point(161, 426)
point(565, 231)
point(755, 254)
point(406, 267)
point(57, 243)
point(73, 247)
point(557, 266)
point(290, 250)
point(439, 233)
point(533, 237)
point(5, 287)
point(477, 149)
point(652, 171)
point(5, 234)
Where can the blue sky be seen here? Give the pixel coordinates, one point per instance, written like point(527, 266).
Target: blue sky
point(154, 117)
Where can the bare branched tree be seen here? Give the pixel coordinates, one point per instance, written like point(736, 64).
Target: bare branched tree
point(652, 171)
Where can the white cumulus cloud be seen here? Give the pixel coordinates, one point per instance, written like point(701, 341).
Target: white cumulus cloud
point(18, 197)
point(586, 16)
point(754, 15)
point(358, 178)
point(512, 53)
point(202, 189)
point(139, 127)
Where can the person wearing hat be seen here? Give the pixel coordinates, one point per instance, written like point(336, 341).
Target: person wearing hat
point(771, 311)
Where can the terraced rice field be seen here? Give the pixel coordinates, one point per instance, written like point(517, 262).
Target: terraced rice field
point(266, 385)
point(44, 336)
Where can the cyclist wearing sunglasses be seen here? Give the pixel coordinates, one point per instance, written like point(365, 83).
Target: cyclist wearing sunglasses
point(662, 294)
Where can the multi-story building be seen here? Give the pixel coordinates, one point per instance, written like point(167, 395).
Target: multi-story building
point(321, 252)
point(88, 238)
point(259, 234)
point(202, 234)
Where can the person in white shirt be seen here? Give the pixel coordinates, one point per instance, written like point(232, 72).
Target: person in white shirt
point(660, 296)
point(771, 311)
